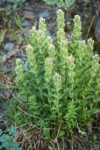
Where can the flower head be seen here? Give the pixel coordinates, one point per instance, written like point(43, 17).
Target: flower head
point(29, 48)
point(42, 20)
point(57, 77)
point(49, 61)
point(96, 57)
point(70, 59)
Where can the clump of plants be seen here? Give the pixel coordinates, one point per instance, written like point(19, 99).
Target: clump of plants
point(63, 3)
point(58, 85)
point(7, 141)
point(13, 6)
point(15, 3)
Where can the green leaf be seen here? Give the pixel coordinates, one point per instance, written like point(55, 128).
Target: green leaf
point(0, 132)
point(50, 148)
point(98, 100)
point(46, 133)
point(61, 133)
point(60, 96)
point(97, 111)
point(12, 131)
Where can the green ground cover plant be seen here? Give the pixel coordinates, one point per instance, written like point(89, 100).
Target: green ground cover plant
point(59, 84)
point(63, 3)
point(13, 7)
point(7, 141)
point(16, 3)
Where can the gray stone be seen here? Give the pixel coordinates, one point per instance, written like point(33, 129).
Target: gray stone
point(25, 23)
point(2, 2)
point(28, 15)
point(44, 14)
point(8, 46)
point(97, 30)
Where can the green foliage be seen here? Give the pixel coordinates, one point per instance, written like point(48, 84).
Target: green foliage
point(13, 6)
point(7, 141)
point(59, 85)
point(63, 3)
point(15, 3)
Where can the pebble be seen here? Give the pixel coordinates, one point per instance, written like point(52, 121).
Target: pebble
point(2, 2)
point(97, 30)
point(44, 14)
point(25, 23)
point(28, 15)
point(8, 46)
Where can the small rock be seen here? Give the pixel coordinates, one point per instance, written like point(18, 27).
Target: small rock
point(28, 15)
point(44, 14)
point(98, 139)
point(97, 30)
point(80, 1)
point(8, 46)
point(2, 2)
point(25, 23)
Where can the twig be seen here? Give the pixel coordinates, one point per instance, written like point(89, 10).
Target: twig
point(90, 27)
point(80, 131)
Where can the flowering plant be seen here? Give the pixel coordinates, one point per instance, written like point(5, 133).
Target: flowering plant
point(59, 85)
